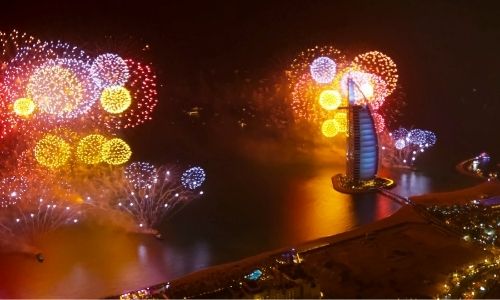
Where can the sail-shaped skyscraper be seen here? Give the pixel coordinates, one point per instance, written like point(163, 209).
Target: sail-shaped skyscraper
point(362, 149)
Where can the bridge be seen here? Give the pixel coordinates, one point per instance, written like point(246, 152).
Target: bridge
point(398, 198)
point(420, 209)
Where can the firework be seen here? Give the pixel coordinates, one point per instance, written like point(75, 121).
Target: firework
point(43, 202)
point(322, 74)
point(416, 137)
point(193, 178)
point(430, 138)
point(144, 98)
point(323, 69)
point(24, 107)
point(340, 121)
point(52, 151)
point(89, 148)
point(51, 58)
point(369, 88)
point(115, 151)
point(34, 215)
point(55, 77)
point(11, 190)
point(304, 102)
point(52, 160)
point(399, 133)
point(310, 73)
point(109, 70)
point(377, 63)
point(62, 88)
point(11, 42)
point(400, 144)
point(141, 174)
point(48, 93)
point(162, 194)
point(302, 64)
point(115, 99)
point(401, 147)
point(329, 128)
point(330, 99)
point(379, 122)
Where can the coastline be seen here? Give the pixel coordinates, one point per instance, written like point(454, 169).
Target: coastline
point(364, 262)
point(483, 190)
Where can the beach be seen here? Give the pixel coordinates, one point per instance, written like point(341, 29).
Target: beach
point(408, 254)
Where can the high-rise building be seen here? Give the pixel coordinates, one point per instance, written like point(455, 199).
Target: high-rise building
point(362, 151)
point(362, 145)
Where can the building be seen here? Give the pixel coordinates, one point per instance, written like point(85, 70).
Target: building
point(362, 151)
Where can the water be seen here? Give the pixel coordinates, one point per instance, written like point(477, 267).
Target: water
point(248, 208)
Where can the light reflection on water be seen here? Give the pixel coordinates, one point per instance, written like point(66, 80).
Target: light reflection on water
point(411, 183)
point(262, 210)
point(317, 210)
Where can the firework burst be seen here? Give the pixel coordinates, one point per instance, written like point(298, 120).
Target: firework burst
point(401, 147)
point(150, 194)
point(60, 113)
point(193, 178)
point(43, 203)
point(142, 91)
point(109, 70)
point(318, 80)
point(379, 64)
point(302, 63)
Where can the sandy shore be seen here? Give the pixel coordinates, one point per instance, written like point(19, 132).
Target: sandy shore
point(405, 255)
point(483, 190)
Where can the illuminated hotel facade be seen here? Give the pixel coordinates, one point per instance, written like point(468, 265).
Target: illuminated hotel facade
point(362, 145)
point(362, 155)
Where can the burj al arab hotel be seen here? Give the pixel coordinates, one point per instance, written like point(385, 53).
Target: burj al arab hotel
point(362, 156)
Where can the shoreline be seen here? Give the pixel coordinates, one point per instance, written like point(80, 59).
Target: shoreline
point(410, 221)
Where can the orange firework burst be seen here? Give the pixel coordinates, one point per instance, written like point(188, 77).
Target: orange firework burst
point(379, 122)
point(377, 63)
point(305, 104)
point(369, 88)
point(316, 96)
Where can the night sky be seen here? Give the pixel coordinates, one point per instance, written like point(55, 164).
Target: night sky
point(446, 52)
